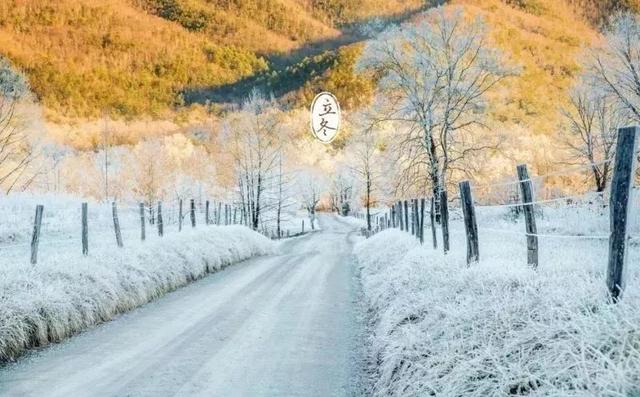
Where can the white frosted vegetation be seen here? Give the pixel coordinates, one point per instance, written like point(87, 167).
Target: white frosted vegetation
point(498, 327)
point(66, 293)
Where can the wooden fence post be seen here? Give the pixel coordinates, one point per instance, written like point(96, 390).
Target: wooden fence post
point(193, 213)
point(470, 223)
point(444, 219)
point(399, 214)
point(35, 238)
point(526, 188)
point(417, 217)
point(180, 215)
point(432, 219)
point(116, 224)
point(85, 229)
point(235, 215)
point(413, 218)
point(303, 226)
point(142, 223)
point(406, 216)
point(219, 214)
point(160, 221)
point(621, 191)
point(206, 213)
point(422, 203)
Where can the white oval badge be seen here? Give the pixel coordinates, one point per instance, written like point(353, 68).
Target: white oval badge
point(325, 117)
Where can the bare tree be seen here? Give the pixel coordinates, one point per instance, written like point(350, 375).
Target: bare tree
point(255, 147)
point(311, 186)
point(615, 66)
point(279, 194)
point(364, 150)
point(16, 152)
point(435, 77)
point(593, 119)
point(342, 191)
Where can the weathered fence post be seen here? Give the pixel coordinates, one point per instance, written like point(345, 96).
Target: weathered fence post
point(235, 215)
point(526, 188)
point(470, 223)
point(35, 238)
point(160, 221)
point(180, 215)
point(444, 219)
point(422, 203)
point(399, 214)
point(406, 216)
point(193, 213)
point(206, 213)
point(219, 214)
point(85, 229)
point(303, 226)
point(432, 219)
point(621, 191)
point(413, 218)
point(142, 223)
point(226, 214)
point(116, 224)
point(416, 216)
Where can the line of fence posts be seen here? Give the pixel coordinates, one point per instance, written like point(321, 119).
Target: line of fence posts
point(619, 205)
point(156, 218)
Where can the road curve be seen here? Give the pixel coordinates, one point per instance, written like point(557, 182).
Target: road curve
point(283, 325)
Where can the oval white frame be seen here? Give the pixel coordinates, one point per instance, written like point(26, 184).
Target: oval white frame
point(338, 111)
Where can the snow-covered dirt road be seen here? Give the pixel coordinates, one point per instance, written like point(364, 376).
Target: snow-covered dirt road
point(283, 325)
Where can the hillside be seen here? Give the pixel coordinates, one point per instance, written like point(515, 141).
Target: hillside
point(141, 58)
point(136, 57)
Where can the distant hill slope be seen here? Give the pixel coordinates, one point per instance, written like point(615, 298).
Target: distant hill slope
point(137, 57)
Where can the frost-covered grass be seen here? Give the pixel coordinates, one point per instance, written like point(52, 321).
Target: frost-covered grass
point(66, 293)
point(498, 327)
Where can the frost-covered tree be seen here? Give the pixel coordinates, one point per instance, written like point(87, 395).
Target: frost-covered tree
point(615, 66)
point(16, 152)
point(593, 119)
point(363, 150)
point(342, 190)
point(435, 75)
point(311, 185)
point(253, 138)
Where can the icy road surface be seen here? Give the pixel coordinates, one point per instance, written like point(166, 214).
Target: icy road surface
point(282, 325)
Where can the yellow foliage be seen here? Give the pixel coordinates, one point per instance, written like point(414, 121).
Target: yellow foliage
point(136, 57)
point(546, 37)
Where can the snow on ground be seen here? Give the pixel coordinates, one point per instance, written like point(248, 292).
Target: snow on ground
point(280, 325)
point(291, 223)
point(353, 221)
point(65, 292)
point(498, 327)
